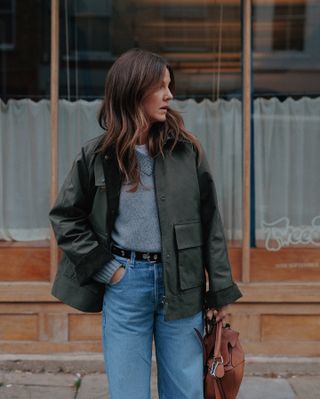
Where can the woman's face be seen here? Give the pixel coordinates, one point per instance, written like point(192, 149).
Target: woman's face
point(155, 104)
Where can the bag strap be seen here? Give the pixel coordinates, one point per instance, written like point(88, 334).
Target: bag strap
point(217, 346)
point(217, 368)
point(212, 326)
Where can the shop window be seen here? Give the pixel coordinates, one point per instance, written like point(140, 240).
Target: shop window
point(286, 138)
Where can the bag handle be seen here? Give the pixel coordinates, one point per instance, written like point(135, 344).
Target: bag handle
point(216, 368)
point(217, 346)
point(213, 325)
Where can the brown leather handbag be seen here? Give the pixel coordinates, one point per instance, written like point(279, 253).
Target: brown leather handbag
point(223, 359)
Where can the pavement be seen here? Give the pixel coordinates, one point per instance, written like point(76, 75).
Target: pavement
point(73, 377)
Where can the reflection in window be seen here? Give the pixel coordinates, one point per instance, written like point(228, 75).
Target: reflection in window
point(288, 26)
point(201, 39)
point(286, 56)
point(25, 50)
point(90, 28)
point(279, 25)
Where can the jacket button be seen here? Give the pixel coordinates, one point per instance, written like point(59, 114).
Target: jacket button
point(163, 197)
point(168, 256)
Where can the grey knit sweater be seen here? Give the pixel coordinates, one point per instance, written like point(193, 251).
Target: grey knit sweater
point(137, 224)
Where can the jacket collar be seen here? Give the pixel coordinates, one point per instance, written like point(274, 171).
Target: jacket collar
point(171, 137)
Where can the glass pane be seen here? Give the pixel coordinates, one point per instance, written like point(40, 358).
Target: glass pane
point(93, 34)
point(286, 126)
point(6, 31)
point(201, 39)
point(96, 7)
point(25, 63)
point(286, 48)
point(6, 5)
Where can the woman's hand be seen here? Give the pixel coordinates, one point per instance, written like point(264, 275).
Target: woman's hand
point(117, 275)
point(219, 314)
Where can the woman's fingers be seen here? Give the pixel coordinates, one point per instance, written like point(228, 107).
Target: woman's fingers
point(117, 275)
point(218, 314)
point(211, 313)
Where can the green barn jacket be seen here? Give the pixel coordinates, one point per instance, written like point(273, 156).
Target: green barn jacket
point(191, 230)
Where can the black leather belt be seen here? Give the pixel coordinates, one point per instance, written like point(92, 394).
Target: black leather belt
point(148, 256)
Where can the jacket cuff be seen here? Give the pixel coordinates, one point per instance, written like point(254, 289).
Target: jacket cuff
point(105, 274)
point(223, 297)
point(99, 256)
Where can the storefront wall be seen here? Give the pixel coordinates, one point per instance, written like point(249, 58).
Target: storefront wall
point(251, 96)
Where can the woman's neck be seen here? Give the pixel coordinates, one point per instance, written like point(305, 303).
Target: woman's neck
point(142, 142)
point(142, 138)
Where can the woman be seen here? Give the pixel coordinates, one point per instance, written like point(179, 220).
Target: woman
point(138, 222)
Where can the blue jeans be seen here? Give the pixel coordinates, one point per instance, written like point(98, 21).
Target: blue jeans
point(132, 315)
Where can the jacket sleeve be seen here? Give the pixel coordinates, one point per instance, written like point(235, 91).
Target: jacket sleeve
point(69, 219)
point(222, 289)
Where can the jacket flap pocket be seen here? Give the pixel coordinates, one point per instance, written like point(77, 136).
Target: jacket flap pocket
point(188, 235)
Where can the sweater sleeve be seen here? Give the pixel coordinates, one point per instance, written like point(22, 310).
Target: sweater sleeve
point(105, 274)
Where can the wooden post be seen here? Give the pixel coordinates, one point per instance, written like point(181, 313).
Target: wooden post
point(54, 97)
point(246, 124)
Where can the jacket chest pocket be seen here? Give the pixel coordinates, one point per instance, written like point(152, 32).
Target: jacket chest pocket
point(190, 263)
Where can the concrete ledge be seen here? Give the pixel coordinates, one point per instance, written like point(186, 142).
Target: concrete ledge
point(84, 363)
point(88, 363)
point(271, 366)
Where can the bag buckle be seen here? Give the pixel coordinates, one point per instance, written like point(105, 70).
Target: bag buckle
point(214, 366)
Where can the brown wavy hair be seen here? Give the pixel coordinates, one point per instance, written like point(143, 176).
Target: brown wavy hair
point(130, 79)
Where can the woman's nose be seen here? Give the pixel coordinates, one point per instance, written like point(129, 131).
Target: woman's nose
point(168, 95)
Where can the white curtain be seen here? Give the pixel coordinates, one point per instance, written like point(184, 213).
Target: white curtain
point(286, 160)
point(287, 167)
point(25, 160)
point(25, 169)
